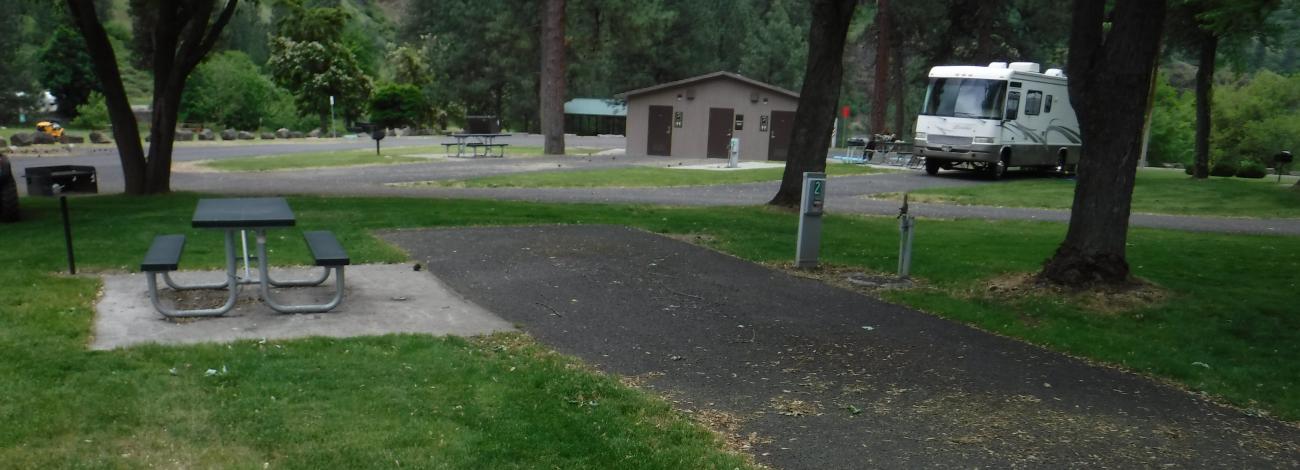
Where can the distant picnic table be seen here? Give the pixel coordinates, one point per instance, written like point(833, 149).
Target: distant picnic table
point(474, 143)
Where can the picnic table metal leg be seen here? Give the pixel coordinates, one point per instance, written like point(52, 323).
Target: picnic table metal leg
point(266, 285)
point(232, 285)
point(230, 251)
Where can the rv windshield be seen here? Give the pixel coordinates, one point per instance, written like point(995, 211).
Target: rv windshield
point(965, 97)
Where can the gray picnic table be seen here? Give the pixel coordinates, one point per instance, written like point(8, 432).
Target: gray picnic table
point(242, 215)
point(474, 142)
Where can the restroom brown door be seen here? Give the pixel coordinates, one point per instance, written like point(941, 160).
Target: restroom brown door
point(659, 137)
point(778, 144)
point(720, 122)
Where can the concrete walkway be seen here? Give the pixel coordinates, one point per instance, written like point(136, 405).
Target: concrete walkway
point(819, 377)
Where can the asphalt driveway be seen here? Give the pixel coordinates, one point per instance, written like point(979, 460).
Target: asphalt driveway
point(820, 377)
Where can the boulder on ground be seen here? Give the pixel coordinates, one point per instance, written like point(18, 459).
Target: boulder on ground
point(207, 134)
point(282, 133)
point(72, 139)
point(184, 135)
point(97, 137)
point(268, 136)
point(245, 135)
point(21, 139)
point(43, 138)
point(229, 134)
point(314, 133)
point(296, 135)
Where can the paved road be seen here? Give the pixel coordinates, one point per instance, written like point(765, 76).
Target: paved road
point(846, 194)
point(876, 385)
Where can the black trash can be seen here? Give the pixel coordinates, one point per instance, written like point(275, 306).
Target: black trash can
point(61, 179)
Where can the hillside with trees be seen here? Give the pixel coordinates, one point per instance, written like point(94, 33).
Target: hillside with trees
point(278, 61)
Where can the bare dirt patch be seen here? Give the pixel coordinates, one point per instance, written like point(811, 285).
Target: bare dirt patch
point(1109, 300)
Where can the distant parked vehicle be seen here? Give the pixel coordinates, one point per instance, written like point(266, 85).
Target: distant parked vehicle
point(997, 117)
point(50, 128)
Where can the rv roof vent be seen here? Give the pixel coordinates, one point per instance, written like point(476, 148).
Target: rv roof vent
point(997, 65)
point(1054, 73)
point(1025, 67)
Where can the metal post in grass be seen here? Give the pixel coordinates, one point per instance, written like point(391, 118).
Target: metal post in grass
point(67, 234)
point(332, 134)
point(906, 224)
point(378, 135)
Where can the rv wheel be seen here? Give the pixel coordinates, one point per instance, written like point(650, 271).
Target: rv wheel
point(999, 169)
point(932, 167)
point(1061, 167)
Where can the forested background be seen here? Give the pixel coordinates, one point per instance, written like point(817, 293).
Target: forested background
point(280, 60)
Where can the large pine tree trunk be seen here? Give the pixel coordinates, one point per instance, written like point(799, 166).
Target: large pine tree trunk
point(818, 97)
point(1209, 44)
point(1110, 75)
point(899, 89)
point(880, 83)
point(553, 83)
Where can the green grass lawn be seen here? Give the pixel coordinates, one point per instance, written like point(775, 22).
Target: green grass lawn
point(635, 177)
point(1156, 192)
point(503, 402)
point(335, 158)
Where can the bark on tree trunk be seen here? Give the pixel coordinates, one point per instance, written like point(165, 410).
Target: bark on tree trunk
point(880, 83)
point(1204, 96)
point(811, 131)
point(126, 133)
point(899, 87)
point(1110, 74)
point(553, 70)
point(181, 38)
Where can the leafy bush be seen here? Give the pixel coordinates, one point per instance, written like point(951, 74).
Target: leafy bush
point(1173, 117)
point(230, 91)
point(397, 105)
point(1223, 169)
point(1252, 169)
point(1257, 116)
point(281, 112)
point(93, 114)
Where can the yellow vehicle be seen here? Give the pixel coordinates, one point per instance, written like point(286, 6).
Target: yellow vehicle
point(53, 129)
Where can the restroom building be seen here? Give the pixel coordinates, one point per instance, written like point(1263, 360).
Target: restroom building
point(697, 117)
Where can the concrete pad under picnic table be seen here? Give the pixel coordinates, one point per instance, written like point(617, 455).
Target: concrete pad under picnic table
point(379, 299)
point(803, 374)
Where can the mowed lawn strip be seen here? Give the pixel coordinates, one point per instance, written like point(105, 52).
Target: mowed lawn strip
point(1156, 192)
point(397, 400)
point(360, 157)
point(1227, 327)
point(635, 177)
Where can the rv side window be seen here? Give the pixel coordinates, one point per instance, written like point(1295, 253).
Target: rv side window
point(1047, 105)
point(1013, 105)
point(1033, 99)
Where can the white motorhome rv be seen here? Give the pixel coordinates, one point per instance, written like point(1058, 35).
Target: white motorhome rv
point(996, 117)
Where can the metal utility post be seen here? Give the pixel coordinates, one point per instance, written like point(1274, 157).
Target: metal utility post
point(378, 135)
point(733, 160)
point(906, 223)
point(810, 219)
point(332, 134)
point(67, 234)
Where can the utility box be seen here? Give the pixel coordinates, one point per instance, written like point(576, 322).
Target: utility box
point(61, 179)
point(811, 207)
